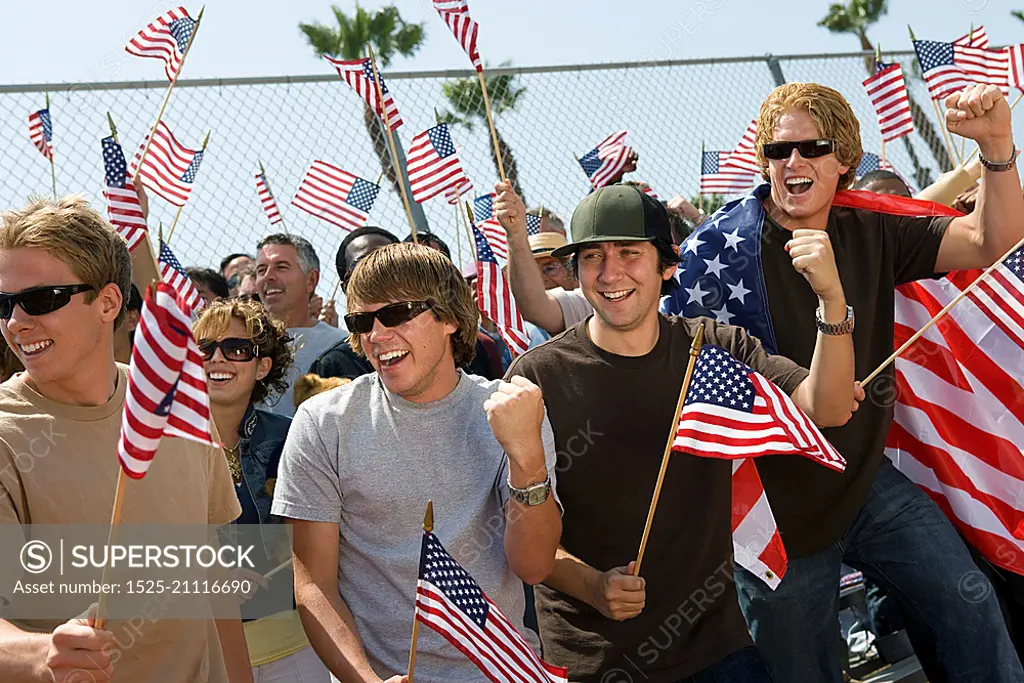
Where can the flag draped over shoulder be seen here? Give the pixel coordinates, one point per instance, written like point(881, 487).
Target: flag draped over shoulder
point(958, 428)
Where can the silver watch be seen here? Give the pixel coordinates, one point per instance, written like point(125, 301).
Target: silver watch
point(531, 496)
point(834, 329)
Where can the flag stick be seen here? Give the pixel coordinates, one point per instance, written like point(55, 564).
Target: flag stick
point(279, 568)
point(428, 526)
point(490, 122)
point(458, 232)
point(976, 148)
point(700, 193)
point(141, 268)
point(967, 290)
point(698, 340)
point(115, 519)
point(266, 181)
point(170, 88)
point(334, 293)
point(883, 153)
point(53, 171)
point(469, 231)
point(945, 133)
point(399, 171)
point(178, 214)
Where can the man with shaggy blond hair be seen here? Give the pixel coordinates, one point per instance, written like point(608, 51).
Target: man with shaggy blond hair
point(362, 460)
point(64, 279)
point(743, 267)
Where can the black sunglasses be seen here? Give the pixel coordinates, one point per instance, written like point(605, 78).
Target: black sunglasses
point(391, 315)
point(809, 149)
point(234, 349)
point(40, 300)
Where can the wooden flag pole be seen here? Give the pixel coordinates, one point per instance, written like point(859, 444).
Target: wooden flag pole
point(178, 214)
point(399, 171)
point(428, 526)
point(490, 122)
point(53, 170)
point(698, 341)
point(458, 232)
point(469, 231)
point(170, 88)
point(700, 193)
point(883, 153)
point(266, 181)
point(115, 519)
point(145, 271)
point(967, 290)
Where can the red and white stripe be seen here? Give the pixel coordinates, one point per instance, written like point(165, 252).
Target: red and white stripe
point(323, 193)
point(500, 653)
point(166, 391)
point(971, 66)
point(125, 213)
point(959, 421)
point(1015, 57)
point(465, 31)
point(888, 92)
point(354, 71)
point(267, 200)
point(457, 6)
point(728, 180)
point(455, 192)
point(165, 165)
point(36, 134)
point(495, 300)
point(156, 41)
point(429, 172)
point(613, 153)
point(744, 156)
point(496, 237)
point(976, 38)
point(756, 541)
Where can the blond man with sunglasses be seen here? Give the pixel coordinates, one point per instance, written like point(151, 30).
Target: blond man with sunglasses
point(362, 460)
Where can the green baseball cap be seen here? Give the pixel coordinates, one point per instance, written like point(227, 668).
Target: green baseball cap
point(616, 213)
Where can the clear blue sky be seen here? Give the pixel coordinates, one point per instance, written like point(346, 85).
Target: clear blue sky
point(84, 40)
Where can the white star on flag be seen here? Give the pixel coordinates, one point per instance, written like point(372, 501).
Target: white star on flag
point(722, 315)
point(715, 265)
point(696, 294)
point(732, 239)
point(738, 292)
point(692, 244)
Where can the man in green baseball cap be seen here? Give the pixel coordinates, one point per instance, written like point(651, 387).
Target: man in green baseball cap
point(610, 385)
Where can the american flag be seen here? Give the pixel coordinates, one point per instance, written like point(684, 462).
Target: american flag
point(718, 177)
point(483, 214)
point(434, 163)
point(173, 273)
point(166, 38)
point(756, 541)
point(607, 160)
point(949, 68)
point(453, 193)
point(123, 207)
point(335, 195)
point(744, 156)
point(169, 168)
point(450, 602)
point(888, 93)
point(869, 161)
point(456, 16)
point(267, 199)
point(731, 411)
point(975, 38)
point(959, 420)
point(1015, 55)
point(494, 297)
point(40, 131)
point(166, 393)
point(359, 74)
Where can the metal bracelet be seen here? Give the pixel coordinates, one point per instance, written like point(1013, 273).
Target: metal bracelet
point(999, 166)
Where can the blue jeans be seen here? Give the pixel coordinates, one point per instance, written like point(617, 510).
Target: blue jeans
point(742, 666)
point(902, 541)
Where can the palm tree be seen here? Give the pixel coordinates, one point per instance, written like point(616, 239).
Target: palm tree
point(854, 17)
point(466, 100)
point(351, 38)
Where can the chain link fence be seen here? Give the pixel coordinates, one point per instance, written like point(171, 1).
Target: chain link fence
point(670, 108)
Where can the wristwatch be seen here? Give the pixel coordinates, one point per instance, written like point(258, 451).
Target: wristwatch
point(531, 496)
point(999, 165)
point(834, 329)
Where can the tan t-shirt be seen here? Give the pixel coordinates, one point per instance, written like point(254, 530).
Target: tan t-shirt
point(58, 465)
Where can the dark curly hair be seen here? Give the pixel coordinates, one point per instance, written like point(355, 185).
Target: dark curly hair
point(270, 336)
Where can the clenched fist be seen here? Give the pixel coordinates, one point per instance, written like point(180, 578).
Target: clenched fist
point(980, 112)
point(515, 412)
point(617, 594)
point(509, 209)
point(811, 251)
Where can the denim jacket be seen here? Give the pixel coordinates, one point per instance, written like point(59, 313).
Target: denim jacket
point(262, 440)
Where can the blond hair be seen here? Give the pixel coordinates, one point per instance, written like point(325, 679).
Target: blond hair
point(409, 272)
point(270, 337)
point(71, 231)
point(831, 113)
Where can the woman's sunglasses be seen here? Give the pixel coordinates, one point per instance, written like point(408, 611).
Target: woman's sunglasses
point(233, 348)
point(809, 149)
point(391, 315)
point(40, 300)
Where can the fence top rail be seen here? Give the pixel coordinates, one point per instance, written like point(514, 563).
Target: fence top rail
point(456, 73)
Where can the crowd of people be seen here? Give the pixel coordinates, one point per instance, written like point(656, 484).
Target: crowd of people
point(540, 467)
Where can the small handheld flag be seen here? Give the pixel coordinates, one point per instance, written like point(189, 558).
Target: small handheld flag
point(336, 196)
point(40, 131)
point(167, 39)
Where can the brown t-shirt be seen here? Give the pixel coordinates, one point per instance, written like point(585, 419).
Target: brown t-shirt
point(612, 416)
point(874, 252)
point(58, 465)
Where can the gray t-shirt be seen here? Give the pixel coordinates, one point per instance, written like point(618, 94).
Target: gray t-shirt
point(309, 343)
point(369, 460)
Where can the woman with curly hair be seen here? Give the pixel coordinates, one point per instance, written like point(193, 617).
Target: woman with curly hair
point(247, 356)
